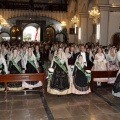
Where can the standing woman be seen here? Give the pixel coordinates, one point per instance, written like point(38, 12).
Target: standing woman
point(80, 83)
point(4, 51)
point(59, 83)
point(67, 53)
point(39, 58)
point(15, 67)
point(3, 69)
point(70, 67)
point(31, 66)
point(112, 63)
point(100, 64)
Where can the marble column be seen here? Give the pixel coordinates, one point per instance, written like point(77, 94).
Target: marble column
point(104, 24)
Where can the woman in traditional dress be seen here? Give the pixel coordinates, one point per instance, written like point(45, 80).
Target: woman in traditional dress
point(112, 63)
point(4, 51)
point(15, 67)
point(39, 58)
point(59, 84)
point(3, 69)
point(31, 66)
point(68, 55)
point(100, 64)
point(80, 83)
point(23, 52)
point(116, 88)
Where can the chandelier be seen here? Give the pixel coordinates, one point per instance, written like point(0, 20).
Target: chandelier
point(3, 22)
point(75, 20)
point(94, 14)
point(15, 29)
point(63, 23)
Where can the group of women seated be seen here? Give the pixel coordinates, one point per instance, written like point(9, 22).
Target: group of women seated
point(19, 61)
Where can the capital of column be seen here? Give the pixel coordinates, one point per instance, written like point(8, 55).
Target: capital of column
point(104, 7)
point(84, 15)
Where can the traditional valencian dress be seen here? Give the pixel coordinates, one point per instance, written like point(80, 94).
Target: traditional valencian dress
point(116, 88)
point(112, 65)
point(31, 66)
point(59, 83)
point(15, 67)
point(80, 82)
point(3, 69)
point(39, 59)
point(100, 65)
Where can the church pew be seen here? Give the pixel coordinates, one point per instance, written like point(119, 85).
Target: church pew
point(101, 74)
point(24, 77)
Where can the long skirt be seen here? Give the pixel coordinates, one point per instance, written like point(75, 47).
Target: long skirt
point(80, 83)
point(31, 84)
point(59, 84)
point(116, 88)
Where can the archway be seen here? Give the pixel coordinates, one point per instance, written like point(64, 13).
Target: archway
point(15, 33)
point(4, 37)
point(116, 39)
point(32, 32)
point(50, 34)
point(61, 37)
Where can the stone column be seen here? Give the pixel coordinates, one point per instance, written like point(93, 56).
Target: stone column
point(84, 27)
point(104, 24)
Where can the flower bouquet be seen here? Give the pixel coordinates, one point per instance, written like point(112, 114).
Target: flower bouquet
point(50, 73)
point(88, 75)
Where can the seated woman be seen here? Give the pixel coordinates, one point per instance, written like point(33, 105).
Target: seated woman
point(100, 64)
point(59, 84)
point(116, 88)
point(31, 66)
point(80, 83)
point(15, 67)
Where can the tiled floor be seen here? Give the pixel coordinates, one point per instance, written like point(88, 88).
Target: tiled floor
point(95, 106)
point(100, 105)
point(22, 107)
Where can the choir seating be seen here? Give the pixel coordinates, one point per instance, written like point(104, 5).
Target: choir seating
point(101, 74)
point(24, 77)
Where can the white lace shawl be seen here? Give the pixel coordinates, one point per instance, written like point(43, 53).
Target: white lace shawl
point(2, 61)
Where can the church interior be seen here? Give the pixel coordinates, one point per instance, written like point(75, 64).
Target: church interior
point(59, 59)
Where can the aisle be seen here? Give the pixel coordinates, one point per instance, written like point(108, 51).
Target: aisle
point(86, 107)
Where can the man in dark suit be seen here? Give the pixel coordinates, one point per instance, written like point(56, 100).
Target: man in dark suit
point(84, 54)
point(71, 60)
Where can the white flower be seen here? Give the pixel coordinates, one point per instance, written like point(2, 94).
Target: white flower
point(51, 70)
point(88, 71)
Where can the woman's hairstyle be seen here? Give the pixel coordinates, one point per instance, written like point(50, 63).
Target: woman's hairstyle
point(14, 48)
point(79, 56)
point(66, 48)
point(59, 48)
point(29, 47)
point(98, 49)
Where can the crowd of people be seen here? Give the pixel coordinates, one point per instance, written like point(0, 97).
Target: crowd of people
point(69, 69)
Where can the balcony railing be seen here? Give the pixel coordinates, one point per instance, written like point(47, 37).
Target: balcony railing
point(33, 6)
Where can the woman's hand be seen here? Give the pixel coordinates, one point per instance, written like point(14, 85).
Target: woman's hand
point(23, 71)
point(96, 58)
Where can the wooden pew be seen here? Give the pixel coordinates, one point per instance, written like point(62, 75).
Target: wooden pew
point(101, 74)
point(24, 77)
